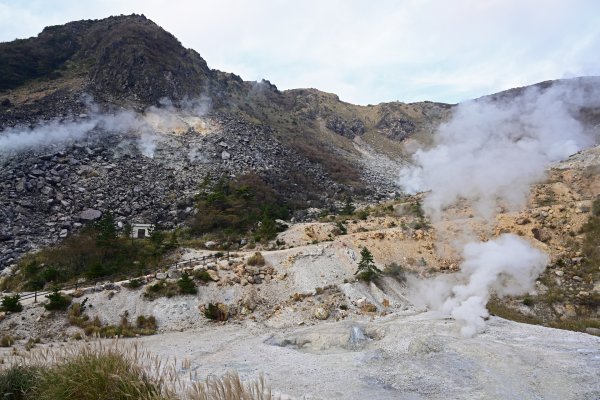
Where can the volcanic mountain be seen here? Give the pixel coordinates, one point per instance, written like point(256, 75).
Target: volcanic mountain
point(116, 115)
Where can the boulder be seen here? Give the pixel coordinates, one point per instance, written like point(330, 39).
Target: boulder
point(592, 331)
point(214, 275)
point(90, 214)
point(161, 275)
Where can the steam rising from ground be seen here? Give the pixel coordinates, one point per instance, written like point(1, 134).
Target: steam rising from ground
point(507, 266)
point(147, 126)
point(489, 154)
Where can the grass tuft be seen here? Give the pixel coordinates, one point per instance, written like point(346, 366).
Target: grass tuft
point(113, 371)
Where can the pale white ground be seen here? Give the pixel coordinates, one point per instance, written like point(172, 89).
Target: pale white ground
point(410, 357)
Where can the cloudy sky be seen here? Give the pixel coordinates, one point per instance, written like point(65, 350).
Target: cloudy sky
point(364, 51)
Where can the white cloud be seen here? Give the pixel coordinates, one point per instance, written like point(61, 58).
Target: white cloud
point(365, 52)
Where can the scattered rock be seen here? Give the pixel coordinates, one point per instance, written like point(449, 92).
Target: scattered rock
point(321, 313)
point(161, 275)
point(592, 331)
point(214, 275)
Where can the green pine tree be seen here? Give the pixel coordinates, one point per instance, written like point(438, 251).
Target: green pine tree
point(367, 270)
point(186, 285)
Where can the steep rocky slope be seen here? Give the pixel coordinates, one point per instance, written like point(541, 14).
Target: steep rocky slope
point(115, 114)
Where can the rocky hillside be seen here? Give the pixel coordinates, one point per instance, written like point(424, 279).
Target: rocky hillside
point(145, 121)
point(115, 115)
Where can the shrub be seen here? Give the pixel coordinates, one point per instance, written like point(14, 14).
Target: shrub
point(216, 312)
point(57, 301)
point(186, 285)
point(362, 214)
point(7, 341)
point(94, 252)
point(528, 301)
point(256, 260)
point(17, 382)
point(145, 325)
point(76, 316)
point(202, 275)
point(234, 207)
point(396, 271)
point(596, 207)
point(161, 289)
point(367, 271)
point(341, 228)
point(348, 208)
point(11, 303)
point(144, 322)
point(134, 283)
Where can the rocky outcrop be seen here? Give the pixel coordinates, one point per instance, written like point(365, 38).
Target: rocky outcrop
point(349, 129)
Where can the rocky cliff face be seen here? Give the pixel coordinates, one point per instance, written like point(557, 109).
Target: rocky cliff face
point(125, 60)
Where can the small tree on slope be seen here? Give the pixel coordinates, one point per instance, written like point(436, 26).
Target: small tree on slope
point(367, 270)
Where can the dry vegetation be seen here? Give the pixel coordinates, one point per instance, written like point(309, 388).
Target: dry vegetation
point(113, 371)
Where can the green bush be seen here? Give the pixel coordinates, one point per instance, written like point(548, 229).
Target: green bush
point(94, 252)
point(186, 285)
point(135, 283)
point(362, 214)
point(161, 289)
point(11, 303)
point(144, 322)
point(528, 301)
point(341, 228)
point(145, 325)
point(348, 208)
point(202, 275)
point(57, 301)
point(396, 271)
point(114, 372)
point(96, 376)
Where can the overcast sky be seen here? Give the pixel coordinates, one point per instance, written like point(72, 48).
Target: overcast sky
point(364, 51)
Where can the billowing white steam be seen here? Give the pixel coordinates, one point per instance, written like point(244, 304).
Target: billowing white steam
point(488, 154)
point(146, 125)
point(507, 266)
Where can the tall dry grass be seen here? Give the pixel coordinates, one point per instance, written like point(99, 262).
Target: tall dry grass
point(114, 370)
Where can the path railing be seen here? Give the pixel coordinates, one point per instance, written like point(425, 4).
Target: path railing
point(180, 265)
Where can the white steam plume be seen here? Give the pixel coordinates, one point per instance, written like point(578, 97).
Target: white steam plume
point(488, 154)
point(508, 266)
point(154, 120)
